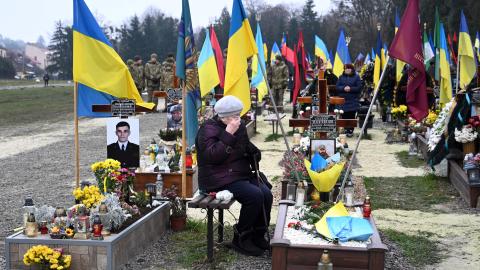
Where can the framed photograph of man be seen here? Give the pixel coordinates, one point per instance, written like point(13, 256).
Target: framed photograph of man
point(325, 147)
point(174, 117)
point(123, 140)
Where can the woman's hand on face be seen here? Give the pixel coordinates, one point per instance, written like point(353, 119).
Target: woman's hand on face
point(233, 124)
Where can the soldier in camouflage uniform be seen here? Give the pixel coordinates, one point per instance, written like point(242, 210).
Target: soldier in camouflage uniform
point(168, 73)
point(138, 74)
point(153, 74)
point(279, 81)
point(130, 66)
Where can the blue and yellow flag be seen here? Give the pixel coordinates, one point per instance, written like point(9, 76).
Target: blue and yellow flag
point(241, 46)
point(466, 57)
point(275, 52)
point(342, 57)
point(101, 74)
point(444, 69)
point(207, 68)
point(258, 81)
point(186, 70)
point(322, 51)
point(378, 60)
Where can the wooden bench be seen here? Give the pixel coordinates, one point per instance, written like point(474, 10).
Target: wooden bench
point(272, 118)
point(459, 179)
point(210, 204)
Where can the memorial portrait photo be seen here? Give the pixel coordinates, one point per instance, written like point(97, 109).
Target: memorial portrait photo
point(123, 139)
point(325, 147)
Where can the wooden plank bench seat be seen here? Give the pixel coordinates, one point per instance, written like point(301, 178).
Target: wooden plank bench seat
point(459, 179)
point(210, 204)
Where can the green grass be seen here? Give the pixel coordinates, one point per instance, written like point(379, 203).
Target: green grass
point(273, 137)
point(190, 246)
point(26, 82)
point(408, 193)
point(276, 179)
point(18, 107)
point(418, 249)
point(408, 161)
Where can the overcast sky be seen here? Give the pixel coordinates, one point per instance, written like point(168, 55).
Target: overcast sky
point(28, 19)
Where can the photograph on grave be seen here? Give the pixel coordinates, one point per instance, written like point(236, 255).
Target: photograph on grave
point(324, 147)
point(174, 117)
point(123, 140)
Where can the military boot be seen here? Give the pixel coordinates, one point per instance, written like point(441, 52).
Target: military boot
point(242, 242)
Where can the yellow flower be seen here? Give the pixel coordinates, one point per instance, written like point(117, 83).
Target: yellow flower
point(36, 260)
point(52, 261)
point(56, 254)
point(54, 266)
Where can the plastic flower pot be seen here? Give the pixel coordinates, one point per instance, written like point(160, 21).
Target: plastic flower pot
point(178, 223)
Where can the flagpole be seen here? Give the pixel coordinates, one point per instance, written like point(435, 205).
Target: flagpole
point(349, 168)
point(77, 148)
point(458, 71)
point(279, 120)
point(184, 140)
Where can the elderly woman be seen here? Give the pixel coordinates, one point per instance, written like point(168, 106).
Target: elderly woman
point(226, 159)
point(349, 86)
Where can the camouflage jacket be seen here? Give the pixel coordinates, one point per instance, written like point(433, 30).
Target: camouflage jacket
point(168, 71)
point(153, 73)
point(138, 76)
point(279, 78)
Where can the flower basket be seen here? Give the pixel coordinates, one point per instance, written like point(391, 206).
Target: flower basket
point(468, 147)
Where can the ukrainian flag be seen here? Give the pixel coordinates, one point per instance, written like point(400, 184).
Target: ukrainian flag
point(275, 51)
point(342, 57)
point(101, 74)
point(444, 70)
point(378, 60)
point(258, 81)
point(466, 57)
point(322, 51)
point(207, 68)
point(241, 46)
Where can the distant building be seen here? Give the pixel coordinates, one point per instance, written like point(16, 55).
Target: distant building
point(3, 52)
point(37, 55)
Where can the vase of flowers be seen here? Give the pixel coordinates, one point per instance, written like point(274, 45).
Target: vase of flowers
point(111, 178)
point(178, 215)
point(467, 136)
point(400, 113)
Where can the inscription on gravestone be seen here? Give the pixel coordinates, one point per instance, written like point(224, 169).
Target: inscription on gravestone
point(323, 123)
point(123, 107)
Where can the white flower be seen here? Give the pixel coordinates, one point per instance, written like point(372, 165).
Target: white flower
point(335, 111)
point(341, 111)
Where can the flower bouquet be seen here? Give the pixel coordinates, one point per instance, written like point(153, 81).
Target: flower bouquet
point(400, 112)
point(439, 126)
point(293, 164)
point(47, 258)
point(467, 137)
point(90, 196)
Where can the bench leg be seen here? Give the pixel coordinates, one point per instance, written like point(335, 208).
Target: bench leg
point(474, 193)
point(220, 227)
point(210, 234)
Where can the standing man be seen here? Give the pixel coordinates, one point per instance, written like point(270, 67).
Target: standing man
point(127, 153)
point(46, 78)
point(168, 73)
point(138, 74)
point(153, 74)
point(279, 81)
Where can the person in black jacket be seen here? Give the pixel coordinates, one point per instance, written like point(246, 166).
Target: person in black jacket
point(349, 86)
point(226, 159)
point(126, 152)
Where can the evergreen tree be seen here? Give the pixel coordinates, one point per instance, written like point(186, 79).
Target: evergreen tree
point(7, 70)
point(61, 49)
point(309, 24)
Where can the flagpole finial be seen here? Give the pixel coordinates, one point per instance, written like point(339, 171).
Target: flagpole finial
point(258, 17)
point(425, 26)
point(348, 39)
point(379, 26)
